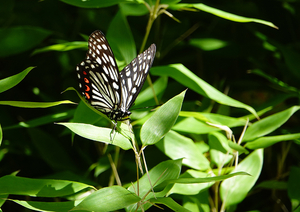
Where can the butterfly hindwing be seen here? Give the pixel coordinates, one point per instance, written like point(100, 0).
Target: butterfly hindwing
point(134, 75)
point(99, 75)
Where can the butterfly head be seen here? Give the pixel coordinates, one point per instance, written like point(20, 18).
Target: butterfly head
point(119, 115)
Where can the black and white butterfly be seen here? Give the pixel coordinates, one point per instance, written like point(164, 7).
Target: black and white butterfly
point(105, 88)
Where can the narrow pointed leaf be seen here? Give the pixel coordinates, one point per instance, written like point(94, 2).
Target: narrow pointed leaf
point(163, 119)
point(201, 180)
point(35, 104)
point(12, 81)
point(223, 14)
point(267, 141)
point(269, 124)
point(62, 47)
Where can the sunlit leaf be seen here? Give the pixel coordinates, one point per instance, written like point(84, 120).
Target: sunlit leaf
point(202, 180)
point(39, 187)
point(99, 134)
point(107, 199)
point(192, 188)
point(34, 104)
point(219, 149)
point(177, 146)
point(267, 141)
point(12, 81)
point(222, 14)
point(166, 170)
point(269, 124)
point(156, 127)
point(234, 190)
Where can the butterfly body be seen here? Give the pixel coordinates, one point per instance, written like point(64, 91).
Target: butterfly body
point(105, 88)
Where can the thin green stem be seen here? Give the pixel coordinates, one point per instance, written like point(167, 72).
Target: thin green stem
point(153, 15)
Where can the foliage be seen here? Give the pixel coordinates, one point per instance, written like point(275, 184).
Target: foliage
point(217, 74)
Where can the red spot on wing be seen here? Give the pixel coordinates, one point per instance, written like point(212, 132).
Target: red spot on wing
point(87, 88)
point(87, 95)
point(86, 80)
point(84, 73)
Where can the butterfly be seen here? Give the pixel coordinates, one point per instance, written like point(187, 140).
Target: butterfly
point(103, 86)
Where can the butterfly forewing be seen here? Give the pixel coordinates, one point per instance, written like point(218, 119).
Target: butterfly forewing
point(108, 90)
point(134, 75)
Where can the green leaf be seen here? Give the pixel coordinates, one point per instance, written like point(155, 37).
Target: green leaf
point(121, 39)
point(177, 146)
point(267, 141)
point(234, 190)
point(237, 147)
point(9, 82)
point(93, 3)
point(48, 206)
point(187, 78)
point(191, 188)
point(39, 187)
point(192, 125)
point(162, 172)
point(222, 14)
point(133, 9)
point(197, 203)
point(162, 120)
point(269, 124)
point(62, 47)
point(108, 199)
point(18, 39)
point(208, 44)
point(147, 94)
point(215, 118)
point(201, 180)
point(35, 104)
point(219, 149)
point(2, 200)
point(99, 134)
point(168, 201)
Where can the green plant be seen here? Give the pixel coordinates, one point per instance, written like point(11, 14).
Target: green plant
point(210, 169)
